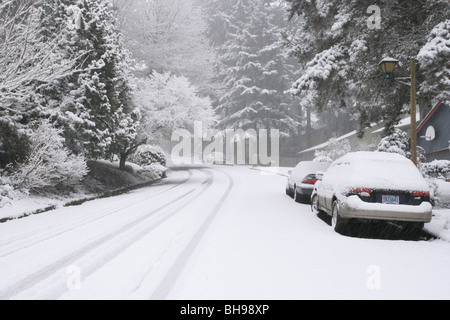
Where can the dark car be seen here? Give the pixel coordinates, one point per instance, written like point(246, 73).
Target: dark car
point(302, 179)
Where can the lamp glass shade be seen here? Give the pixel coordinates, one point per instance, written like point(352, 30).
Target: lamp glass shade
point(388, 65)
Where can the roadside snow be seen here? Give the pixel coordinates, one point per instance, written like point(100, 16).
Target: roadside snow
point(281, 171)
point(443, 192)
point(440, 225)
point(25, 205)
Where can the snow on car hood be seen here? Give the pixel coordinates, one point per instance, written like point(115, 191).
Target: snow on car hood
point(375, 170)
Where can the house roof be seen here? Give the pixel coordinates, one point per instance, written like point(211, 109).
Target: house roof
point(402, 124)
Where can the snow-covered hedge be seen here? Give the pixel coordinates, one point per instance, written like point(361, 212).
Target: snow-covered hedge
point(147, 155)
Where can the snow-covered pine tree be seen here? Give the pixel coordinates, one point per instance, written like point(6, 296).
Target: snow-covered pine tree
point(434, 58)
point(96, 111)
point(30, 61)
point(254, 68)
point(340, 54)
point(398, 142)
point(169, 36)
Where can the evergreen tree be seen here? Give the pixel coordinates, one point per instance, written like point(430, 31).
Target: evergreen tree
point(254, 67)
point(94, 105)
point(169, 36)
point(434, 58)
point(339, 55)
point(398, 142)
point(30, 62)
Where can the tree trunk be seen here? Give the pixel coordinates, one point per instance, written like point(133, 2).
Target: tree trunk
point(425, 105)
point(123, 161)
point(309, 127)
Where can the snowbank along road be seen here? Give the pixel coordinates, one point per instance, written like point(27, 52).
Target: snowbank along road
point(209, 233)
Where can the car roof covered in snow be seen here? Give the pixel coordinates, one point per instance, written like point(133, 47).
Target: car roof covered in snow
point(372, 156)
point(376, 170)
point(310, 167)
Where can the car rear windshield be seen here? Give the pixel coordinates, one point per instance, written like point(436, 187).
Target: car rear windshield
point(381, 174)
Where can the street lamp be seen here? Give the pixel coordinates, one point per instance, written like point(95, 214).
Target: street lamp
point(388, 65)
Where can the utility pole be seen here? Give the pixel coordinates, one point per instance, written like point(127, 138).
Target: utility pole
point(413, 113)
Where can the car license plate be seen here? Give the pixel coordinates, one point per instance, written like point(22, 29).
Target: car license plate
point(391, 200)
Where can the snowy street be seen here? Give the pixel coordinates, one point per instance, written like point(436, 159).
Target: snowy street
point(209, 233)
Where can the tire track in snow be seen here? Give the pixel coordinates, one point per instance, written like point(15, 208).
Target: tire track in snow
point(39, 276)
point(33, 238)
point(166, 285)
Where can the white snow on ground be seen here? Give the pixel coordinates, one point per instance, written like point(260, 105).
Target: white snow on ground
point(443, 192)
point(440, 225)
point(268, 247)
point(220, 233)
point(282, 171)
point(25, 205)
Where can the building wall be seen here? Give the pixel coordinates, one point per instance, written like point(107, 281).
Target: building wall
point(437, 149)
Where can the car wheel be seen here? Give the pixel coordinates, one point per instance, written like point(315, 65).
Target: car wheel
point(297, 197)
point(336, 221)
point(289, 191)
point(315, 204)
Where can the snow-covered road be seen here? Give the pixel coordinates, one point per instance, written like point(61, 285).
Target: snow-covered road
point(209, 233)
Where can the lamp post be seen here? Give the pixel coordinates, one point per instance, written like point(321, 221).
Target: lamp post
point(388, 65)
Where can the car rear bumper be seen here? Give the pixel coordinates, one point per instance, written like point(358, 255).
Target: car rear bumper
point(305, 190)
point(355, 208)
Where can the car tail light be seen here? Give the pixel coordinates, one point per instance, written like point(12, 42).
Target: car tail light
point(418, 194)
point(311, 179)
point(363, 192)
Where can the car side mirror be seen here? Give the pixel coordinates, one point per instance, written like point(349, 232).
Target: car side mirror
point(290, 172)
point(319, 176)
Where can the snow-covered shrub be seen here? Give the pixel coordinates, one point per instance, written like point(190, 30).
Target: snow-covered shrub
point(147, 155)
point(333, 151)
point(438, 169)
point(7, 192)
point(436, 173)
point(322, 158)
point(398, 142)
point(49, 163)
point(5, 197)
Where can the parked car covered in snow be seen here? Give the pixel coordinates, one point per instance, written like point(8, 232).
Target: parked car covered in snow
point(302, 179)
point(373, 186)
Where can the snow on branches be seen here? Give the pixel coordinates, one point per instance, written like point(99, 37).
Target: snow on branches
point(398, 142)
point(26, 56)
point(48, 163)
point(434, 58)
point(170, 102)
